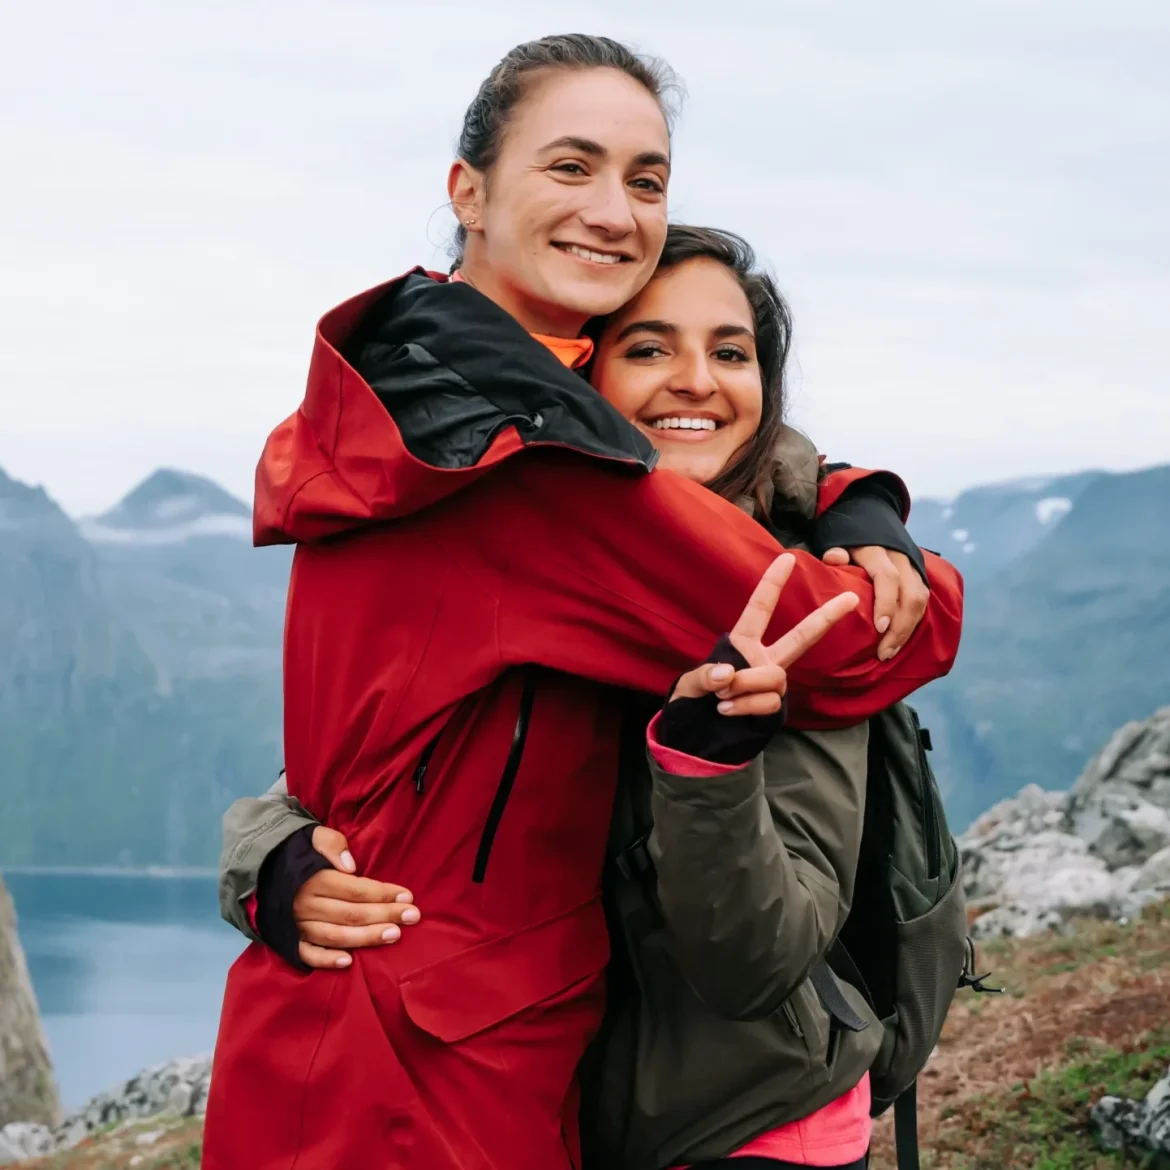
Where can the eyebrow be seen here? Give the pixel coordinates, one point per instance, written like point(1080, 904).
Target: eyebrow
point(666, 329)
point(648, 158)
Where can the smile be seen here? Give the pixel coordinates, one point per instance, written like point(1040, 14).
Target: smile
point(592, 256)
point(684, 424)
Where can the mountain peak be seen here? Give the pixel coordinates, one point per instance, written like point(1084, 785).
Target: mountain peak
point(171, 507)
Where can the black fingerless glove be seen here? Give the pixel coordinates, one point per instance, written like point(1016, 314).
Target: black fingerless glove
point(284, 871)
point(695, 727)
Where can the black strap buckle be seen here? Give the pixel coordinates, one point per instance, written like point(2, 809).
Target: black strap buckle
point(969, 979)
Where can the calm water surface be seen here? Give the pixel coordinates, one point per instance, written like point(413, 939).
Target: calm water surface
point(129, 971)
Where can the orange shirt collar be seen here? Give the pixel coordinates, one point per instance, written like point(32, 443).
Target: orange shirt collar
point(570, 351)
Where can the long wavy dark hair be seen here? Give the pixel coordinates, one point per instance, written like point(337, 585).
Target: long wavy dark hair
point(750, 472)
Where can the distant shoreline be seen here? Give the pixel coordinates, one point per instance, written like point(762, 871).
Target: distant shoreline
point(151, 871)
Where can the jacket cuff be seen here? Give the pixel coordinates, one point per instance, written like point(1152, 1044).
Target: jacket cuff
point(867, 514)
point(717, 793)
point(254, 828)
point(284, 871)
point(679, 763)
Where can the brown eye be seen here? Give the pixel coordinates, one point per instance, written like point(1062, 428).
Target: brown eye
point(646, 349)
point(731, 353)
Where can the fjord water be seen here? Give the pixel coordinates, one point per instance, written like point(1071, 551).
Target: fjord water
point(128, 970)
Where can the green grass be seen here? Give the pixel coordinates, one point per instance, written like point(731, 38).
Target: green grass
point(1044, 1124)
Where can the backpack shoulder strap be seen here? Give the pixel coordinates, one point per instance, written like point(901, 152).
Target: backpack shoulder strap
point(906, 1128)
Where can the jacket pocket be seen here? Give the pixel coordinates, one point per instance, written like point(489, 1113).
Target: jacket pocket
point(807, 1023)
point(476, 989)
point(931, 953)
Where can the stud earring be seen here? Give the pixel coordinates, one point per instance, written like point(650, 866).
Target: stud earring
point(471, 221)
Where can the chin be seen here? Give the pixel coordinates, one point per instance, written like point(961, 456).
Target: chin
point(595, 299)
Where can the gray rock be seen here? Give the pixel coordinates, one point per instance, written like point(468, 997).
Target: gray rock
point(1120, 804)
point(179, 1086)
point(1103, 849)
point(1120, 1123)
point(20, 1140)
point(1013, 920)
point(1155, 874)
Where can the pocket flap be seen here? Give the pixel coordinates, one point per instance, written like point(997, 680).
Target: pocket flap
point(474, 989)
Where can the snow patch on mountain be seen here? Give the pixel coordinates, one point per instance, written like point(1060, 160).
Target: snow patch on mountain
point(1053, 508)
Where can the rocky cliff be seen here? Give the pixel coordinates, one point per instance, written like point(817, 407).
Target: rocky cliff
point(27, 1090)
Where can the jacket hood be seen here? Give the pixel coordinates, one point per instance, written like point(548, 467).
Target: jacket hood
point(416, 388)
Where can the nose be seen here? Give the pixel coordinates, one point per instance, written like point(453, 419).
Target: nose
point(694, 376)
point(609, 211)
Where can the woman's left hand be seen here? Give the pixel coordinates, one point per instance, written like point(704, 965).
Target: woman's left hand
point(899, 593)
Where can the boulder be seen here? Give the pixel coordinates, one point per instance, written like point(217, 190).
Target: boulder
point(1123, 1124)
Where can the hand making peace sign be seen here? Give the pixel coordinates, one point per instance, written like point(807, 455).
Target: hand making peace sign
point(759, 688)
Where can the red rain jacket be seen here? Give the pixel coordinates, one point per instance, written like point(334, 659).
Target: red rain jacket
point(484, 558)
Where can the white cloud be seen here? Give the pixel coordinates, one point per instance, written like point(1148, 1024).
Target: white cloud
point(966, 206)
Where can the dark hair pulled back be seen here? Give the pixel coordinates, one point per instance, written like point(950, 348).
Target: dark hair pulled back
point(487, 118)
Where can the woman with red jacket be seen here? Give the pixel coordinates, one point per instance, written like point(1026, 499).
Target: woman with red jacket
point(485, 554)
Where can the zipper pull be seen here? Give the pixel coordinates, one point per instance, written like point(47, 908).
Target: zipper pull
point(420, 772)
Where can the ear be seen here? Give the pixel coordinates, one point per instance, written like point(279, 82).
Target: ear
point(465, 190)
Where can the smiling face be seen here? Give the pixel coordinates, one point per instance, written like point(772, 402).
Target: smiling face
point(679, 361)
point(570, 221)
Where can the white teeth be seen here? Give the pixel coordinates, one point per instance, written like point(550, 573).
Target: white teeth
point(684, 424)
point(587, 254)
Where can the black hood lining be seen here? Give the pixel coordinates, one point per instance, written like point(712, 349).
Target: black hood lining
point(453, 369)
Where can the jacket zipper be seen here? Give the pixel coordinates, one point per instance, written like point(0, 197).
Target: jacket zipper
point(507, 779)
point(929, 819)
point(790, 1012)
point(420, 771)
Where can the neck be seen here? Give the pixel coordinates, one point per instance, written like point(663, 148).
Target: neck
point(536, 317)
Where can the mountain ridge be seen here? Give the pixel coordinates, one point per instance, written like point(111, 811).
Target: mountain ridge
point(140, 654)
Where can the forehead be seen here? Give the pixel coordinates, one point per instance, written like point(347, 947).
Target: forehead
point(603, 105)
point(697, 294)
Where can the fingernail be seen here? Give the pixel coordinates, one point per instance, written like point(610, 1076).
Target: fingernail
point(724, 708)
point(344, 960)
point(410, 914)
point(723, 694)
point(719, 673)
point(347, 862)
point(405, 896)
point(883, 624)
point(391, 934)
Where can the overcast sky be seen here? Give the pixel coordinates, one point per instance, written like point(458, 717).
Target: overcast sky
point(967, 205)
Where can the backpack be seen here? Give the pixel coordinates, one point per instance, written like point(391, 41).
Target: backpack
point(904, 944)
